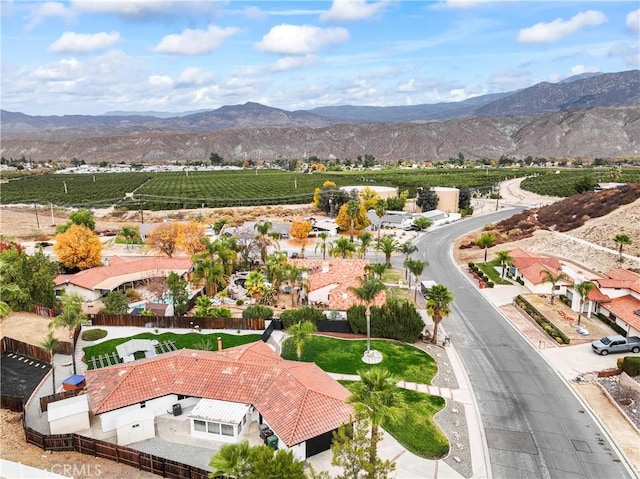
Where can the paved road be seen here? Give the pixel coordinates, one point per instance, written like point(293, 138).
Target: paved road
point(533, 423)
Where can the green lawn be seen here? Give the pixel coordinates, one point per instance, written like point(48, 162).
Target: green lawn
point(494, 276)
point(403, 361)
point(417, 431)
point(182, 341)
point(392, 275)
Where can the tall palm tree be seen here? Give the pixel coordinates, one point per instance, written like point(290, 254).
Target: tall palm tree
point(504, 258)
point(275, 268)
point(231, 461)
point(376, 397)
point(366, 292)
point(223, 249)
point(416, 267)
point(365, 240)
point(263, 238)
point(376, 269)
point(439, 301)
point(211, 272)
point(486, 241)
point(407, 248)
point(49, 344)
point(352, 210)
point(299, 333)
point(323, 244)
point(549, 277)
point(291, 273)
point(621, 240)
point(129, 234)
point(70, 318)
point(387, 246)
point(343, 248)
point(583, 289)
point(381, 209)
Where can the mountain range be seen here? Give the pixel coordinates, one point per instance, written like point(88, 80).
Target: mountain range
point(591, 115)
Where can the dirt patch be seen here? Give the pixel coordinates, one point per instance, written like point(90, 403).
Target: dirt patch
point(30, 328)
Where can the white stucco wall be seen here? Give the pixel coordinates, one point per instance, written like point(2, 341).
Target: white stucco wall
point(135, 426)
point(299, 450)
point(321, 294)
point(86, 294)
point(69, 415)
point(161, 405)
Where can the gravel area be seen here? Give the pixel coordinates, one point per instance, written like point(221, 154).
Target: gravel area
point(627, 399)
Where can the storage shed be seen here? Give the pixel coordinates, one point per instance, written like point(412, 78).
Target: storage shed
point(69, 415)
point(135, 426)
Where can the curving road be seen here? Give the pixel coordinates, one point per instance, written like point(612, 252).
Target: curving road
point(535, 427)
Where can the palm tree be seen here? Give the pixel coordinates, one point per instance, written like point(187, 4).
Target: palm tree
point(486, 241)
point(291, 273)
point(407, 248)
point(255, 283)
point(583, 289)
point(416, 267)
point(549, 277)
point(504, 258)
point(263, 238)
point(377, 398)
point(231, 461)
point(49, 344)
point(300, 332)
point(129, 234)
point(381, 209)
point(366, 292)
point(377, 269)
point(342, 247)
point(365, 240)
point(211, 272)
point(274, 269)
point(223, 249)
point(352, 210)
point(621, 240)
point(439, 301)
point(323, 244)
point(387, 246)
point(70, 318)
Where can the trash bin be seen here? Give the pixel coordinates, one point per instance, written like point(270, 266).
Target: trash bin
point(272, 441)
point(177, 409)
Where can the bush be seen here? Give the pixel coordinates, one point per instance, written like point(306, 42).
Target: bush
point(397, 320)
point(290, 317)
point(220, 312)
point(631, 365)
point(490, 284)
point(239, 302)
point(565, 300)
point(93, 334)
point(357, 319)
point(257, 311)
point(549, 328)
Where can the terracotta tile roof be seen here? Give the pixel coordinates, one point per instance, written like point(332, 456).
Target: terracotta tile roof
point(298, 400)
point(596, 295)
point(624, 307)
point(621, 278)
point(343, 274)
point(533, 273)
point(121, 270)
point(525, 262)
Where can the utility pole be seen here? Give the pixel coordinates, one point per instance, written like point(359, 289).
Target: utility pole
point(35, 208)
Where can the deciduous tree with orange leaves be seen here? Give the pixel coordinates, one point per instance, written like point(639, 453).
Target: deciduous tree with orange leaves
point(164, 237)
point(189, 236)
point(300, 230)
point(78, 248)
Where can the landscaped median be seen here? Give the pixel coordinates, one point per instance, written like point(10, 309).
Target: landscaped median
point(417, 431)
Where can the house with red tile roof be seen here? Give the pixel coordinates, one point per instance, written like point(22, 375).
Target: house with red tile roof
point(223, 392)
point(617, 297)
point(329, 282)
point(120, 271)
point(529, 267)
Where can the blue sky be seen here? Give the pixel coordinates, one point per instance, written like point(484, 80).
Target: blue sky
point(93, 56)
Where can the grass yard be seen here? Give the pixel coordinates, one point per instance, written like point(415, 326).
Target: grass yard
point(182, 341)
point(494, 276)
point(392, 275)
point(343, 356)
point(417, 431)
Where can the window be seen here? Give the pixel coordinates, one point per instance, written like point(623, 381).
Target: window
point(244, 420)
point(213, 427)
point(199, 426)
point(143, 404)
point(135, 425)
point(227, 430)
point(239, 427)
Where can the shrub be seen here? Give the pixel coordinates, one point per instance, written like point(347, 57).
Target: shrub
point(397, 320)
point(93, 334)
point(220, 312)
point(549, 328)
point(290, 317)
point(356, 318)
point(490, 284)
point(257, 311)
point(631, 365)
point(471, 265)
point(239, 302)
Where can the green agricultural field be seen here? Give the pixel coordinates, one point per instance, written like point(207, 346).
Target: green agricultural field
point(554, 182)
point(230, 188)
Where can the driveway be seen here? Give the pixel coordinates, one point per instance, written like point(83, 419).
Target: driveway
point(570, 361)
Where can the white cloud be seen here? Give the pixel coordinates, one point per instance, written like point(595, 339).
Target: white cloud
point(633, 21)
point(126, 8)
point(503, 81)
point(71, 42)
point(289, 63)
point(65, 69)
point(195, 42)
point(559, 28)
point(195, 76)
point(408, 86)
point(580, 69)
point(466, 3)
point(160, 80)
point(254, 13)
point(300, 39)
point(346, 10)
point(629, 54)
point(49, 9)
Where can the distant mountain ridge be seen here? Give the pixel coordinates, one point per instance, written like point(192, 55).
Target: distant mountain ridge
point(592, 115)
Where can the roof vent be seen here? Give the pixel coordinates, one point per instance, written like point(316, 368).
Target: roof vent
point(637, 312)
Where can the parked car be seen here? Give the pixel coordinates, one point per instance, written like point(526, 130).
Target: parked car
point(616, 344)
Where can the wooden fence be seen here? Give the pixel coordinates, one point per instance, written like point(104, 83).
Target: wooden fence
point(13, 403)
point(113, 452)
point(33, 351)
point(175, 322)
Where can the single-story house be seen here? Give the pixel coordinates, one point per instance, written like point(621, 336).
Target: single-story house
point(228, 390)
point(329, 282)
point(69, 415)
point(529, 267)
point(394, 219)
point(93, 283)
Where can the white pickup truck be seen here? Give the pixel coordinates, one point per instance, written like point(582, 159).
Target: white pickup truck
point(616, 344)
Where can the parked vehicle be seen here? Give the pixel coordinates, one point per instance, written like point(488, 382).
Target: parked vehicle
point(616, 344)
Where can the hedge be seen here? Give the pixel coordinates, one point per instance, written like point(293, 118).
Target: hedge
point(539, 318)
point(395, 320)
point(631, 365)
point(290, 317)
point(257, 311)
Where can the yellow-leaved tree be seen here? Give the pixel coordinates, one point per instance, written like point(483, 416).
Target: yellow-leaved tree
point(369, 197)
point(360, 221)
point(327, 185)
point(164, 237)
point(189, 236)
point(300, 230)
point(78, 248)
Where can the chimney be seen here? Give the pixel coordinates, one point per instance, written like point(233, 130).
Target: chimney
point(219, 343)
point(325, 267)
